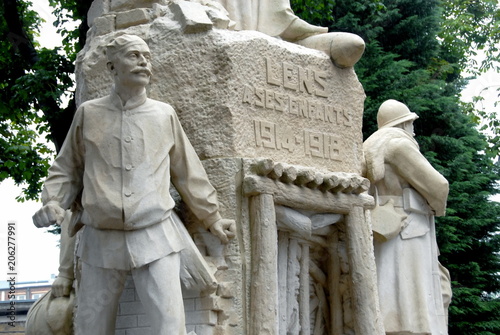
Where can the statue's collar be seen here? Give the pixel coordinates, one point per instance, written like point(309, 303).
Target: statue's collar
point(394, 132)
point(131, 103)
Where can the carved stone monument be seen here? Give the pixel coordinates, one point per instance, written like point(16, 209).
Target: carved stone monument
point(277, 127)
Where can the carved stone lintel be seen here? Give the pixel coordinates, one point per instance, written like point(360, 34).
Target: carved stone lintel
point(304, 177)
point(304, 198)
point(289, 174)
point(277, 171)
point(264, 167)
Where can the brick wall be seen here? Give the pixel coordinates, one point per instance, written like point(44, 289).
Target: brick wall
point(201, 313)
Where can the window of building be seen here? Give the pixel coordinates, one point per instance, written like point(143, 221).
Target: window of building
point(36, 295)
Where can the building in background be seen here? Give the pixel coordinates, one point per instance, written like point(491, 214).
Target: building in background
point(16, 303)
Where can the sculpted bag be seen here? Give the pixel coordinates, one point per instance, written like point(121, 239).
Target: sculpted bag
point(386, 222)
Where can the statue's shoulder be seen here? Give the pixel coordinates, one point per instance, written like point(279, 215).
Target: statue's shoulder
point(398, 138)
point(161, 106)
point(89, 104)
point(389, 134)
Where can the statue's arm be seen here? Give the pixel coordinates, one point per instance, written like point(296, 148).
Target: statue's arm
point(191, 180)
point(412, 166)
point(64, 182)
point(62, 285)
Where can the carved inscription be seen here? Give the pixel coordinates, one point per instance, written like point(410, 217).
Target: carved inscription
point(298, 79)
point(299, 93)
point(272, 136)
point(295, 106)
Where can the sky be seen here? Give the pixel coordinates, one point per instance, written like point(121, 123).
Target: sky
point(37, 252)
point(486, 86)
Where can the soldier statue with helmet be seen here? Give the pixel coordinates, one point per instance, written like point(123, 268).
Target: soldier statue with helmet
point(414, 288)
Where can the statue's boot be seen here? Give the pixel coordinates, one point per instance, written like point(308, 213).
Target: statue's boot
point(345, 49)
point(300, 29)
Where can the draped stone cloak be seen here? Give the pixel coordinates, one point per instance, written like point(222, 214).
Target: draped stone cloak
point(408, 271)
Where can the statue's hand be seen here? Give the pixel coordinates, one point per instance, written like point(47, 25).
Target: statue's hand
point(48, 215)
point(61, 287)
point(224, 229)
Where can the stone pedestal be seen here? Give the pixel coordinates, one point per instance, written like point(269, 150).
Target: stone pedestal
point(278, 128)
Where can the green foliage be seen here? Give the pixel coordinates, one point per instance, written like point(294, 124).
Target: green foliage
point(69, 11)
point(411, 56)
point(318, 11)
point(488, 121)
point(34, 81)
point(475, 305)
point(22, 156)
point(472, 26)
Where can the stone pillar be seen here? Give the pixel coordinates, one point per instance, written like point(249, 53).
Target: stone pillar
point(362, 267)
point(304, 291)
point(334, 272)
point(264, 286)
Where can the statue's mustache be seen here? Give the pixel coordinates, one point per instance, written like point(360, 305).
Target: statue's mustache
point(142, 70)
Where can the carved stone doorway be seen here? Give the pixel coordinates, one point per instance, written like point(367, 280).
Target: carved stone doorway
point(313, 271)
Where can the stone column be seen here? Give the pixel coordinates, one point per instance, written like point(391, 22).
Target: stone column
point(362, 266)
point(334, 273)
point(304, 291)
point(264, 286)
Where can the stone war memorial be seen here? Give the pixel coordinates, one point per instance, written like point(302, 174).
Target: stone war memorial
point(273, 109)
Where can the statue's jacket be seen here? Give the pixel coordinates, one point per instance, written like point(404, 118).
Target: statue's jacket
point(122, 159)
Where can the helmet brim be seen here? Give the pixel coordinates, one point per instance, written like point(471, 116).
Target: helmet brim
point(401, 119)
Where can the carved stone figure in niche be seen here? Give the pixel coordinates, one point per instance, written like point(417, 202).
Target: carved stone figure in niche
point(305, 255)
point(121, 153)
point(414, 288)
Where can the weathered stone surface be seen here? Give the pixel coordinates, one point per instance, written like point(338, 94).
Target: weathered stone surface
point(244, 94)
point(132, 18)
point(192, 16)
point(98, 8)
point(104, 24)
point(117, 5)
point(219, 21)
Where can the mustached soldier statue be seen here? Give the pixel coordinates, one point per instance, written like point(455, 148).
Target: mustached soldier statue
point(121, 153)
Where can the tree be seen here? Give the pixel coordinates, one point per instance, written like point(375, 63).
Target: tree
point(472, 26)
point(33, 81)
point(411, 56)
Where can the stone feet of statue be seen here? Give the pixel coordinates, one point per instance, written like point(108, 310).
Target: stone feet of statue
point(300, 29)
point(345, 49)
